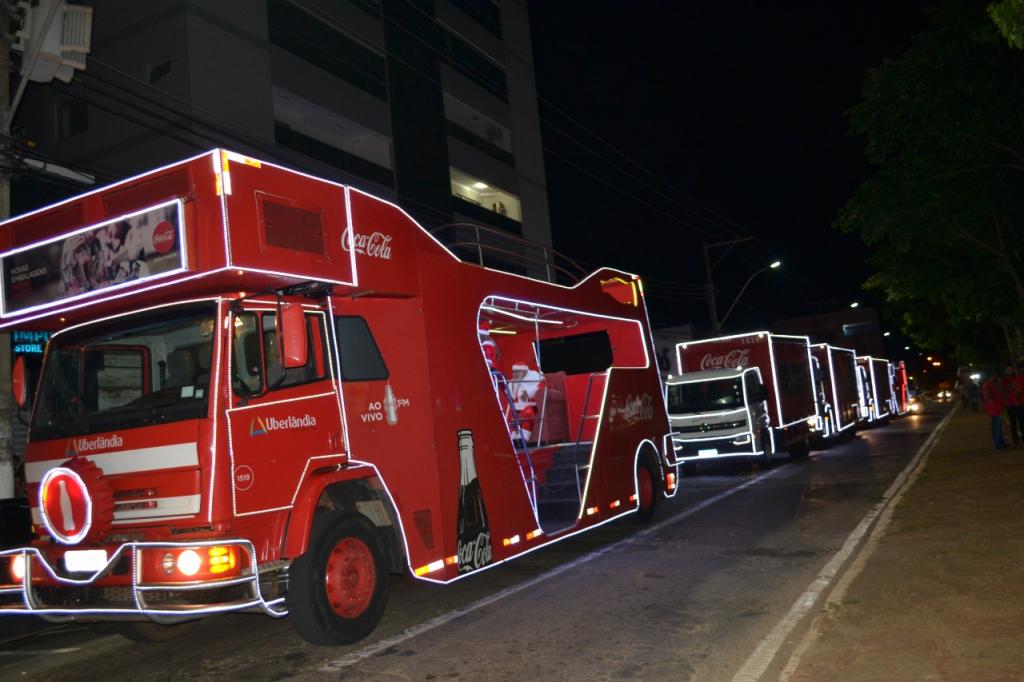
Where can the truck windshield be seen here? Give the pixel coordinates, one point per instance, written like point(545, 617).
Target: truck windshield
point(132, 371)
point(705, 396)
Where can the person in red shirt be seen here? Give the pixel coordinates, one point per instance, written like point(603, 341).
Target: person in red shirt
point(992, 394)
point(1012, 402)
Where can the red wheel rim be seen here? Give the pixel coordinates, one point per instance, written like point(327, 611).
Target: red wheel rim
point(645, 487)
point(350, 577)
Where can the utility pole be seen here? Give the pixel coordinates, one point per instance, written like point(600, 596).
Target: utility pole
point(716, 325)
point(712, 307)
point(6, 400)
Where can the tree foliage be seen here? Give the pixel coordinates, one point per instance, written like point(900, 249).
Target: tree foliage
point(944, 207)
point(1008, 16)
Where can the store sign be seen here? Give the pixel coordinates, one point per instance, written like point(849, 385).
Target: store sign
point(132, 248)
point(28, 342)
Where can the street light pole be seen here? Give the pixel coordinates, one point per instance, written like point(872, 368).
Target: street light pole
point(746, 284)
point(712, 308)
point(716, 325)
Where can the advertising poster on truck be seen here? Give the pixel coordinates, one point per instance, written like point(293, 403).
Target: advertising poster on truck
point(141, 245)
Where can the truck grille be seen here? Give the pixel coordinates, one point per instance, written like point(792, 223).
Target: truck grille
point(705, 428)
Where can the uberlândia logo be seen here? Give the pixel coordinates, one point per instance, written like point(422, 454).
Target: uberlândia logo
point(261, 426)
point(77, 446)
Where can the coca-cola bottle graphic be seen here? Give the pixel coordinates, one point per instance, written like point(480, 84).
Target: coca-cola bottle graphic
point(474, 543)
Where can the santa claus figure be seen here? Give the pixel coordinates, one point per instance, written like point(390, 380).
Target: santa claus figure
point(490, 348)
point(525, 384)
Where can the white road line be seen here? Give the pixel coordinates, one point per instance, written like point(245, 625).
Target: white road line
point(38, 652)
point(758, 662)
point(426, 626)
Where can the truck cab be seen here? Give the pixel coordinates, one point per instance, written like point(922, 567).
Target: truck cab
point(719, 413)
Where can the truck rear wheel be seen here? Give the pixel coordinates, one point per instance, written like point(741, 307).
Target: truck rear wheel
point(648, 489)
point(337, 590)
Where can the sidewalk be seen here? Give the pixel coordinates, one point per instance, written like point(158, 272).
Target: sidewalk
point(942, 597)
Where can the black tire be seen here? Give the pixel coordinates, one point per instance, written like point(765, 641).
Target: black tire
point(647, 497)
point(349, 548)
point(149, 633)
point(800, 449)
point(764, 460)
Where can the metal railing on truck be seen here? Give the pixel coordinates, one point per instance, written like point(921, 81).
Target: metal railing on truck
point(494, 248)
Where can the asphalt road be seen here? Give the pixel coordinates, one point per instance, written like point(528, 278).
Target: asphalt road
point(688, 597)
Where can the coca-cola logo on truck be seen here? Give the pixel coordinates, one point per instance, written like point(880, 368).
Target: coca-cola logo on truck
point(734, 358)
point(374, 245)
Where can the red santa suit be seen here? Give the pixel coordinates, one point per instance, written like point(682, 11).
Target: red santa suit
point(524, 385)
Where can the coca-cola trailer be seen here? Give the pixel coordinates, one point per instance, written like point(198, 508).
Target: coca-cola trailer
point(839, 388)
point(900, 388)
point(266, 392)
point(879, 398)
point(747, 395)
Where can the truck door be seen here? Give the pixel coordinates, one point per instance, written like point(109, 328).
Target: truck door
point(282, 423)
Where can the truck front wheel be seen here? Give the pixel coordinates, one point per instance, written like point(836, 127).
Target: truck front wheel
point(800, 449)
point(337, 590)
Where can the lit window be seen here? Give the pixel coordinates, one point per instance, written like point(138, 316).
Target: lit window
point(485, 195)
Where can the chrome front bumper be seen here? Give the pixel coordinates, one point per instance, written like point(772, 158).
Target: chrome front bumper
point(59, 597)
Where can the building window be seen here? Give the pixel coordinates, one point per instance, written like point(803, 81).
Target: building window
point(309, 38)
point(471, 120)
point(473, 64)
point(331, 128)
point(72, 118)
point(485, 195)
point(484, 12)
point(858, 329)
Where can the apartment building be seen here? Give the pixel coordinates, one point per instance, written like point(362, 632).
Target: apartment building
point(429, 103)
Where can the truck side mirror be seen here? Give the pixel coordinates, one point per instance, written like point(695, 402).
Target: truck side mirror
point(293, 336)
point(760, 392)
point(19, 382)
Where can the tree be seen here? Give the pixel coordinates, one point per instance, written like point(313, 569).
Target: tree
point(944, 207)
point(1008, 16)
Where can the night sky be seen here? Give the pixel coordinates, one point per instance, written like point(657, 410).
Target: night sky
point(739, 106)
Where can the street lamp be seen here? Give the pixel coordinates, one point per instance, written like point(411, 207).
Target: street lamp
point(854, 304)
point(716, 324)
point(775, 265)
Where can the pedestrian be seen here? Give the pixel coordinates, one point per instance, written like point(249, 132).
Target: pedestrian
point(972, 395)
point(993, 396)
point(1012, 401)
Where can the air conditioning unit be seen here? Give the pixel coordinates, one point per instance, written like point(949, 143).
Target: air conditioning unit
point(64, 47)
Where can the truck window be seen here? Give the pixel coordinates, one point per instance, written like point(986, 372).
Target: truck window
point(576, 354)
point(360, 358)
point(705, 396)
point(115, 376)
point(295, 375)
point(256, 355)
point(127, 372)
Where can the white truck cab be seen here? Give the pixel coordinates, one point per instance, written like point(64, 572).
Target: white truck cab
point(720, 413)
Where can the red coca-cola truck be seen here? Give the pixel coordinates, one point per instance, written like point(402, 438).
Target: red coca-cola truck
point(267, 392)
point(901, 391)
point(879, 398)
point(746, 395)
point(838, 387)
